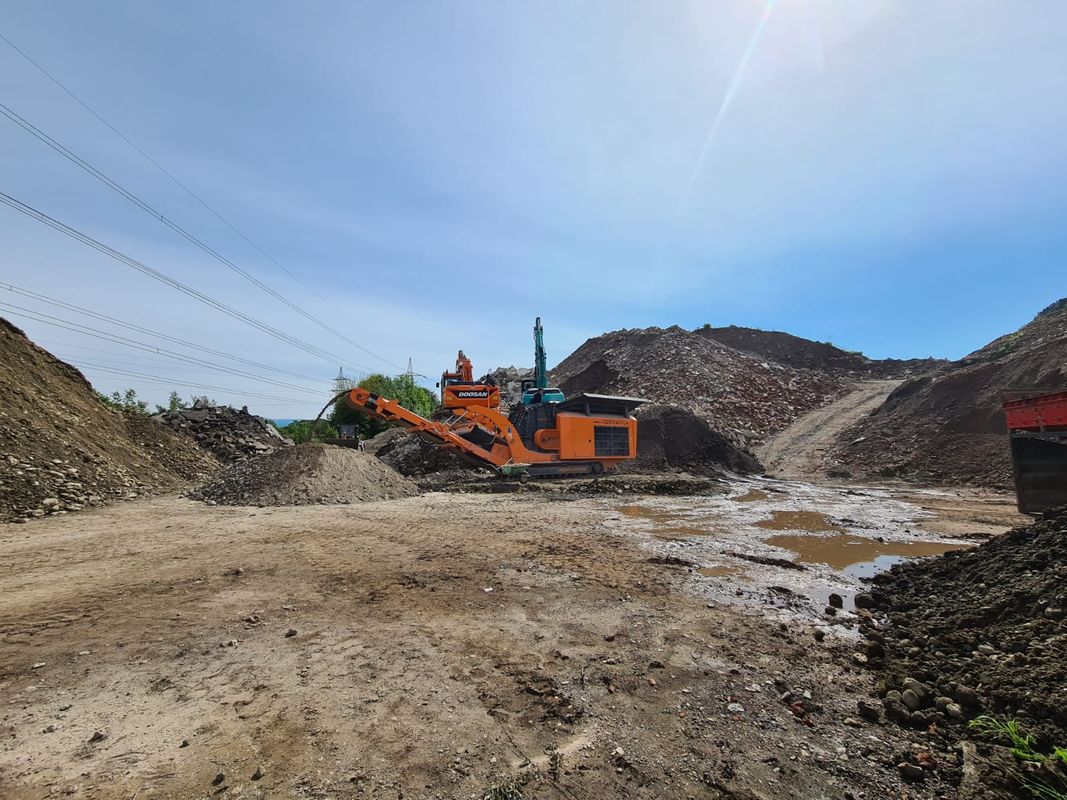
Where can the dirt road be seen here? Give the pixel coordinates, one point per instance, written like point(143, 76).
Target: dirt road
point(435, 647)
point(798, 452)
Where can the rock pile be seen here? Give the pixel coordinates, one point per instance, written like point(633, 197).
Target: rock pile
point(947, 427)
point(62, 449)
point(509, 379)
point(980, 631)
point(231, 435)
point(409, 455)
point(744, 397)
point(306, 474)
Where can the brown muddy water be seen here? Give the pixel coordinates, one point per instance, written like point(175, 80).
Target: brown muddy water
point(857, 555)
point(799, 521)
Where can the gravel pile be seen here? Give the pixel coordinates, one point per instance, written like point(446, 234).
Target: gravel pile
point(980, 631)
point(306, 474)
point(744, 397)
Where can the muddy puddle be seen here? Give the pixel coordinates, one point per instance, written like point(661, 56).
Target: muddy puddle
point(812, 521)
point(751, 496)
point(725, 571)
point(857, 555)
point(668, 526)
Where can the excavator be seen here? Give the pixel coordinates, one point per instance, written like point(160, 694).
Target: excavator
point(459, 389)
point(584, 435)
point(536, 390)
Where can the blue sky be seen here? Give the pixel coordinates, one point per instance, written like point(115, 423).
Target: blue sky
point(889, 176)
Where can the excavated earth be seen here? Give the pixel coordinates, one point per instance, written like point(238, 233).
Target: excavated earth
point(62, 449)
point(305, 475)
point(800, 353)
point(744, 397)
point(981, 631)
point(947, 427)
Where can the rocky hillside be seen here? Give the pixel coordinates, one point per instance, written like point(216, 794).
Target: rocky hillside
point(744, 397)
point(947, 427)
point(800, 353)
point(62, 449)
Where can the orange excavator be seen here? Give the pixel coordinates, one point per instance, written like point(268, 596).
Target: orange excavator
point(584, 435)
point(460, 390)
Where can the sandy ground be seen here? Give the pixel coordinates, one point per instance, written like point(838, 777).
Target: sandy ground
point(799, 452)
point(444, 646)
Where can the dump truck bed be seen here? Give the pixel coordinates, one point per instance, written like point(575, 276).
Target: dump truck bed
point(1037, 425)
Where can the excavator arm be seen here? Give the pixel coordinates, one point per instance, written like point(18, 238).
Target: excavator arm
point(454, 436)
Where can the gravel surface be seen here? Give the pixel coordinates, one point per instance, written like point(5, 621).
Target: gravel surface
point(305, 475)
point(981, 631)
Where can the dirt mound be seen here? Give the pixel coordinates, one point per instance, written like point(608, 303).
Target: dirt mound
point(62, 449)
point(307, 474)
point(231, 435)
point(800, 353)
point(947, 427)
point(744, 397)
point(674, 438)
point(984, 630)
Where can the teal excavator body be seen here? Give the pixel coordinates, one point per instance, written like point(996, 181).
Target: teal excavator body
point(537, 390)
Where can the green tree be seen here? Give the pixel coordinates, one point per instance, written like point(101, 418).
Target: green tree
point(124, 401)
point(305, 430)
point(401, 388)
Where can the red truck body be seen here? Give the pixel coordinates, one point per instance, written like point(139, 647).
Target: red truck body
point(1037, 427)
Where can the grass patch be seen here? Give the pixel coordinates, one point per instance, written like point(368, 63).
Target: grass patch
point(1041, 775)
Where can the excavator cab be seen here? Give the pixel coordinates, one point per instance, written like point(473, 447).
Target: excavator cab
point(533, 394)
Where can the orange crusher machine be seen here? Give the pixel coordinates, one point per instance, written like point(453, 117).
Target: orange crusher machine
point(584, 435)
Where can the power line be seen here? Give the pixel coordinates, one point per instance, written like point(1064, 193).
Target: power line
point(183, 187)
point(110, 337)
point(32, 129)
point(218, 305)
point(171, 382)
point(130, 326)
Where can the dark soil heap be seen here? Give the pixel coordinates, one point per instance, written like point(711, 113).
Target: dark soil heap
point(980, 631)
point(800, 353)
point(413, 457)
point(948, 426)
point(307, 474)
point(744, 397)
point(673, 438)
point(62, 449)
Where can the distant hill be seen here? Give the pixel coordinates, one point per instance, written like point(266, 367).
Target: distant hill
point(947, 426)
point(800, 353)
